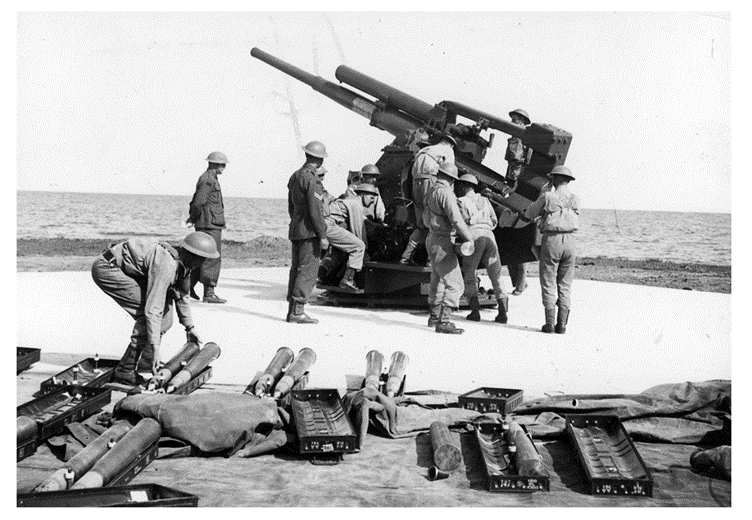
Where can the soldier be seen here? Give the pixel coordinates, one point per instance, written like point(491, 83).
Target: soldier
point(480, 217)
point(145, 277)
point(368, 174)
point(557, 215)
point(517, 156)
point(345, 231)
point(425, 169)
point(207, 213)
point(307, 231)
point(444, 222)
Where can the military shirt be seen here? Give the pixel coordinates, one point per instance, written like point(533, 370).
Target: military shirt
point(443, 214)
point(557, 211)
point(427, 159)
point(375, 211)
point(305, 204)
point(477, 212)
point(152, 266)
point(207, 209)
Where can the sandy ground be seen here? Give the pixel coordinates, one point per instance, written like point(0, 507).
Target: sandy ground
point(621, 338)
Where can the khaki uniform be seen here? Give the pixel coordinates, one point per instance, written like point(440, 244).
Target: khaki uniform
point(443, 217)
point(480, 217)
point(337, 222)
point(376, 211)
point(558, 218)
point(207, 212)
point(307, 228)
point(145, 278)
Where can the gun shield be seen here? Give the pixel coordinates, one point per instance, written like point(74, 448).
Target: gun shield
point(301, 364)
point(397, 370)
point(374, 367)
point(446, 455)
point(273, 372)
point(200, 361)
point(130, 447)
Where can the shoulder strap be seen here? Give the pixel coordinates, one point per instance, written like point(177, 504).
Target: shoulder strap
point(170, 250)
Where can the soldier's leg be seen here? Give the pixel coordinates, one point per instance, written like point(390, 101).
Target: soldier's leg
point(449, 271)
point(549, 266)
point(421, 188)
point(309, 251)
point(565, 272)
point(490, 257)
point(342, 239)
point(210, 268)
point(294, 264)
point(433, 288)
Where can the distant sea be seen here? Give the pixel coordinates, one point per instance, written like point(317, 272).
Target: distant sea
point(671, 236)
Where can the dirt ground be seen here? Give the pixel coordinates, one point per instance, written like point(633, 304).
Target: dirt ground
point(60, 254)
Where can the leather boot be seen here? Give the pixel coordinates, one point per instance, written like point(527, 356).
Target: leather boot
point(125, 372)
point(193, 294)
point(407, 256)
point(210, 297)
point(348, 280)
point(501, 317)
point(433, 315)
point(474, 309)
point(444, 326)
point(298, 314)
point(561, 322)
point(550, 320)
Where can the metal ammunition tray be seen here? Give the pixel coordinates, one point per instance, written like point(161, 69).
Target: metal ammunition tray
point(62, 406)
point(25, 357)
point(26, 448)
point(91, 373)
point(135, 467)
point(488, 399)
point(140, 495)
point(322, 425)
point(609, 459)
point(200, 378)
point(502, 478)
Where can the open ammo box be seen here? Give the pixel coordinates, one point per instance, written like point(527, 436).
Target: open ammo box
point(501, 477)
point(609, 459)
point(25, 357)
point(91, 372)
point(323, 428)
point(140, 495)
point(487, 400)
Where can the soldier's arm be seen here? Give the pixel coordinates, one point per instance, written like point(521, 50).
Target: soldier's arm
point(448, 203)
point(380, 209)
point(316, 207)
point(183, 309)
point(160, 274)
point(491, 213)
point(200, 198)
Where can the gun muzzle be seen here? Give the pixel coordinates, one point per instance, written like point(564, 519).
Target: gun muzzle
point(84, 459)
point(117, 459)
point(397, 370)
point(273, 372)
point(301, 364)
point(200, 361)
point(374, 367)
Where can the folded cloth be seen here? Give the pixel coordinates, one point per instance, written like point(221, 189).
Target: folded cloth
point(212, 422)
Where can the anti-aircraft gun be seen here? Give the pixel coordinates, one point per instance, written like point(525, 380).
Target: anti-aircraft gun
point(383, 279)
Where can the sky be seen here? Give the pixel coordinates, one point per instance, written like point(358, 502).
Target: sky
point(133, 102)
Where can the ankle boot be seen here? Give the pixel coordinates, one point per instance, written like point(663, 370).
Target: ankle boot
point(193, 294)
point(348, 280)
point(210, 297)
point(550, 320)
point(125, 372)
point(407, 256)
point(433, 315)
point(474, 309)
point(561, 322)
point(501, 317)
point(298, 314)
point(444, 326)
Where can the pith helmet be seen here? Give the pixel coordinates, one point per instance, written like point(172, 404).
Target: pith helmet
point(321, 171)
point(201, 244)
point(449, 169)
point(316, 149)
point(370, 169)
point(562, 171)
point(366, 188)
point(469, 178)
point(217, 158)
point(522, 114)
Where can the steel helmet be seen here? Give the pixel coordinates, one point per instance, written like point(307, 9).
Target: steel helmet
point(449, 138)
point(321, 171)
point(562, 171)
point(522, 114)
point(370, 169)
point(201, 244)
point(469, 178)
point(449, 169)
point(316, 149)
point(217, 158)
point(366, 188)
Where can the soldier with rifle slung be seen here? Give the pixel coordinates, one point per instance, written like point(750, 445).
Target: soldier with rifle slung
point(444, 223)
point(307, 232)
point(425, 170)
